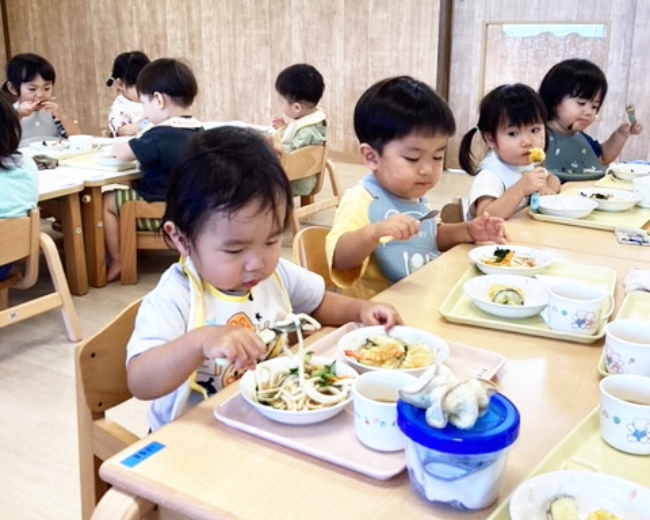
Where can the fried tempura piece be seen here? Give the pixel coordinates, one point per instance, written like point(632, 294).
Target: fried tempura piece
point(537, 155)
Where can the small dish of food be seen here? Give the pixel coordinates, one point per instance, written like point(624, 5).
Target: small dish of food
point(611, 199)
point(566, 206)
point(49, 145)
point(403, 348)
point(281, 391)
point(628, 171)
point(507, 296)
point(510, 259)
point(579, 495)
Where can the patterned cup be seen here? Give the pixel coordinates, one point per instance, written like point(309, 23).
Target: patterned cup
point(374, 397)
point(627, 347)
point(625, 413)
point(577, 307)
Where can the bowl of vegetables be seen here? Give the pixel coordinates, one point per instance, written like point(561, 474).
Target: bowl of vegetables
point(611, 199)
point(280, 390)
point(510, 259)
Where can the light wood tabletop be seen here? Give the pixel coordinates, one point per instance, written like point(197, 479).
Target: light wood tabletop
point(524, 229)
point(208, 470)
point(60, 196)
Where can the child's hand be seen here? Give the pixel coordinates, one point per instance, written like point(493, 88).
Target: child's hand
point(129, 128)
point(242, 347)
point(380, 314)
point(52, 108)
point(278, 122)
point(399, 227)
point(27, 108)
point(533, 180)
point(487, 229)
point(626, 130)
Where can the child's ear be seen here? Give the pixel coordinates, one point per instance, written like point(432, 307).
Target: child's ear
point(370, 156)
point(489, 140)
point(181, 243)
point(12, 89)
point(160, 99)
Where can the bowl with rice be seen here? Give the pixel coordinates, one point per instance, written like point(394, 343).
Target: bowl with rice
point(402, 348)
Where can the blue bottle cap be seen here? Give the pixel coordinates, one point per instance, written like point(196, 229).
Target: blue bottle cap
point(496, 430)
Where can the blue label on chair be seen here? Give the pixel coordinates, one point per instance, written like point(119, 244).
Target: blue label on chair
point(133, 460)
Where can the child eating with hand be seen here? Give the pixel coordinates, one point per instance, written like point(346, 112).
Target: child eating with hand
point(228, 204)
point(377, 238)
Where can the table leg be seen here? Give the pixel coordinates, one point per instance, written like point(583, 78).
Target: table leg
point(93, 227)
point(73, 245)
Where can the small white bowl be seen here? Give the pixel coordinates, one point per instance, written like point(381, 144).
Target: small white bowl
point(284, 363)
point(49, 145)
point(628, 171)
point(354, 340)
point(567, 206)
point(619, 200)
point(535, 295)
point(591, 491)
point(542, 260)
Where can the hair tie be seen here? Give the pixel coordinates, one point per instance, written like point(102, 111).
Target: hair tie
point(477, 128)
point(110, 81)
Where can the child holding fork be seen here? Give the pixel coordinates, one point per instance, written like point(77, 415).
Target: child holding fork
point(573, 92)
point(377, 237)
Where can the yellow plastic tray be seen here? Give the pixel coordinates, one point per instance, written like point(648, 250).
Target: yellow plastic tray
point(88, 161)
point(584, 449)
point(608, 220)
point(608, 181)
point(635, 306)
point(459, 308)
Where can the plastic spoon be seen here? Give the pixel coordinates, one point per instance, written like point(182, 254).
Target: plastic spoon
point(433, 213)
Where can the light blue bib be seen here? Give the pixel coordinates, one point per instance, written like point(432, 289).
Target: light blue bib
point(398, 259)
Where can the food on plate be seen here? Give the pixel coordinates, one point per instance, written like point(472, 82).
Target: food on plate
point(537, 155)
point(598, 195)
point(389, 352)
point(506, 295)
point(508, 258)
point(562, 507)
point(602, 514)
point(321, 388)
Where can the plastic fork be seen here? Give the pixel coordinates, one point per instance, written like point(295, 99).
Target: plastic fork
point(432, 214)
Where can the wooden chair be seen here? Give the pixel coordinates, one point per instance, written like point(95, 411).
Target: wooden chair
point(132, 239)
point(21, 239)
point(305, 162)
point(309, 252)
point(453, 212)
point(101, 384)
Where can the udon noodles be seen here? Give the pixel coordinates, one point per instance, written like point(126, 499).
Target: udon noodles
point(309, 386)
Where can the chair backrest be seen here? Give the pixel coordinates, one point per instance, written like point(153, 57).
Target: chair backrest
point(304, 162)
point(20, 239)
point(453, 212)
point(132, 239)
point(309, 252)
point(101, 383)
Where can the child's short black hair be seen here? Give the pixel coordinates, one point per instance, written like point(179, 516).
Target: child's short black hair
point(10, 130)
point(23, 68)
point(396, 107)
point(507, 105)
point(127, 66)
point(224, 169)
point(300, 83)
point(576, 78)
point(170, 77)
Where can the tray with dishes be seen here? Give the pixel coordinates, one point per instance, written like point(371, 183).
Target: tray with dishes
point(614, 208)
point(610, 181)
point(334, 439)
point(583, 449)
point(98, 161)
point(635, 306)
point(463, 306)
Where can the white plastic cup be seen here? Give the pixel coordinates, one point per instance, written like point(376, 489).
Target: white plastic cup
point(627, 347)
point(641, 187)
point(625, 413)
point(374, 398)
point(577, 307)
point(80, 143)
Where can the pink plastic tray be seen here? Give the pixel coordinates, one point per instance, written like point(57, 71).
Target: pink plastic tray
point(334, 440)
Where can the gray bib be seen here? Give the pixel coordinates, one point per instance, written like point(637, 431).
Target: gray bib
point(570, 154)
point(398, 259)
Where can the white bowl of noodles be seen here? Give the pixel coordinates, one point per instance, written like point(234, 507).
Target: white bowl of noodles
point(303, 413)
point(510, 259)
point(402, 348)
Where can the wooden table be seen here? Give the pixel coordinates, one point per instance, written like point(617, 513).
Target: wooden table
point(524, 229)
point(61, 196)
point(92, 214)
point(207, 470)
